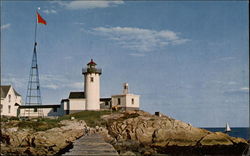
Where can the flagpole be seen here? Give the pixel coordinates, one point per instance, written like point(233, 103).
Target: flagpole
point(35, 28)
point(36, 25)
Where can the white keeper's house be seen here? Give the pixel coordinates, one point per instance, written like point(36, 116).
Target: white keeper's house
point(10, 101)
point(88, 99)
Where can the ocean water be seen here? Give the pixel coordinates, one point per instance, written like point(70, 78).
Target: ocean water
point(242, 132)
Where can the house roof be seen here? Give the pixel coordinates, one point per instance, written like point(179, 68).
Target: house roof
point(40, 106)
point(105, 99)
point(91, 62)
point(77, 95)
point(5, 89)
point(120, 95)
point(64, 100)
point(16, 92)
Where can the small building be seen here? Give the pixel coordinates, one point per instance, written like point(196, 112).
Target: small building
point(76, 102)
point(126, 101)
point(105, 104)
point(65, 106)
point(10, 100)
point(40, 110)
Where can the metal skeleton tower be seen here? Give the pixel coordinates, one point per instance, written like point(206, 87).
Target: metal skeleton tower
point(33, 96)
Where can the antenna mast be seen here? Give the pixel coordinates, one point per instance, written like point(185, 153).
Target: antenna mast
point(33, 96)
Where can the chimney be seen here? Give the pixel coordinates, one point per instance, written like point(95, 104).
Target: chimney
point(125, 88)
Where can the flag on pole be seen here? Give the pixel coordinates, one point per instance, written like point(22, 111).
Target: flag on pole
point(40, 19)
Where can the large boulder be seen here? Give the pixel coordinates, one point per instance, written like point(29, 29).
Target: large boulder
point(150, 129)
point(165, 134)
point(47, 142)
point(216, 138)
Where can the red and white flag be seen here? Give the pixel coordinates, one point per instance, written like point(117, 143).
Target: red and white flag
point(40, 19)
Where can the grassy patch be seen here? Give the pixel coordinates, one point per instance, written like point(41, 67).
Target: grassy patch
point(6, 119)
point(36, 124)
point(39, 125)
point(92, 118)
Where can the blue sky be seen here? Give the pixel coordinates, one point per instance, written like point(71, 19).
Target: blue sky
point(188, 60)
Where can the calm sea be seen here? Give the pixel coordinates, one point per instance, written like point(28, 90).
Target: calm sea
point(242, 132)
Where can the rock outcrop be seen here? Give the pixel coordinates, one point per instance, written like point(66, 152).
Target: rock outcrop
point(49, 142)
point(153, 134)
point(130, 132)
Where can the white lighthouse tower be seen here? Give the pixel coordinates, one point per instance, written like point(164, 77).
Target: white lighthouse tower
point(92, 86)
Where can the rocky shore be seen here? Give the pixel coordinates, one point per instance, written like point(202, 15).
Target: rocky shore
point(28, 142)
point(143, 133)
point(130, 133)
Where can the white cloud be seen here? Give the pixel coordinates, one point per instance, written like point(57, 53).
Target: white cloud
point(77, 85)
point(59, 81)
point(17, 82)
point(244, 88)
point(137, 54)
point(75, 5)
point(232, 83)
point(240, 91)
point(140, 39)
point(68, 58)
point(46, 11)
point(227, 58)
point(224, 59)
point(225, 82)
point(50, 77)
point(5, 26)
point(51, 11)
point(47, 82)
point(79, 23)
point(51, 86)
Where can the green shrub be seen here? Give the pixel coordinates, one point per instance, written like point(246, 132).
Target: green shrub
point(7, 118)
point(13, 118)
point(4, 119)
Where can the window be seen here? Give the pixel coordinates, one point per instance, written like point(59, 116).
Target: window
point(9, 108)
point(35, 109)
point(106, 103)
point(119, 101)
point(55, 109)
point(132, 101)
point(1, 107)
point(67, 111)
point(9, 98)
point(91, 79)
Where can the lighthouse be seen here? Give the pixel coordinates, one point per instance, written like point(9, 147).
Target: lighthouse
point(92, 86)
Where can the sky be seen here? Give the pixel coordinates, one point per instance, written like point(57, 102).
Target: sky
point(186, 59)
